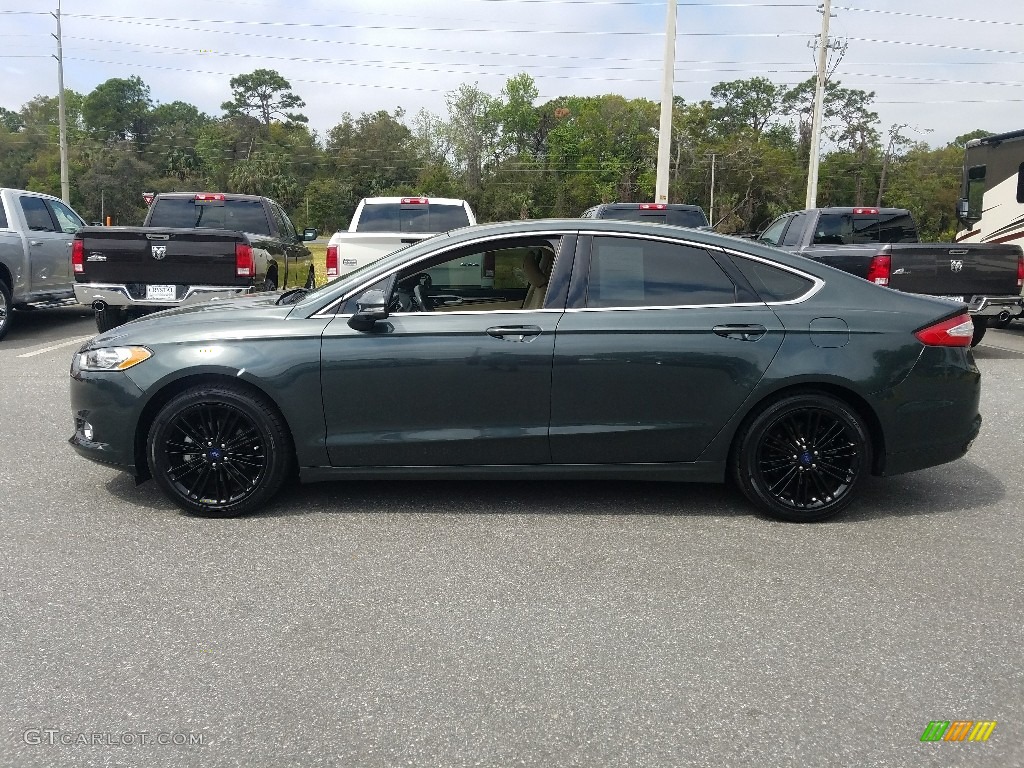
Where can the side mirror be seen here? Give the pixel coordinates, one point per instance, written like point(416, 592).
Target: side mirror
point(309, 233)
point(963, 211)
point(370, 307)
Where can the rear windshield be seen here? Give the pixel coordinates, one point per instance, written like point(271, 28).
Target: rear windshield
point(239, 215)
point(395, 217)
point(855, 229)
point(687, 217)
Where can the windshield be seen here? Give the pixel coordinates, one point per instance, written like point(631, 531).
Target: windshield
point(185, 212)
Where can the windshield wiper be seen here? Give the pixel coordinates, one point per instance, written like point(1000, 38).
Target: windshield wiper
point(292, 296)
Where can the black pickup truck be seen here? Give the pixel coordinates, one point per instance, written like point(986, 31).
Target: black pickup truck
point(881, 245)
point(191, 247)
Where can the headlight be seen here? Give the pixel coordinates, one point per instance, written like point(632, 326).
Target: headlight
point(112, 358)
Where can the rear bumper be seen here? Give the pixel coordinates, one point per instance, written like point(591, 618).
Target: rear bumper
point(120, 295)
point(993, 306)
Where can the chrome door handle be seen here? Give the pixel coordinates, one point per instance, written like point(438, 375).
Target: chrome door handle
point(514, 332)
point(741, 332)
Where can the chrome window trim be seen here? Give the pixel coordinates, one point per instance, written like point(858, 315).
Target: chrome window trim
point(326, 311)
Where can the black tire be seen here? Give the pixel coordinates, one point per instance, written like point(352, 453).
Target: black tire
point(802, 458)
point(270, 284)
point(311, 280)
point(219, 451)
point(980, 326)
point(995, 322)
point(108, 318)
point(5, 309)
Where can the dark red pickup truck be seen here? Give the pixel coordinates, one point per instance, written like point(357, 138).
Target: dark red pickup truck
point(192, 247)
point(881, 245)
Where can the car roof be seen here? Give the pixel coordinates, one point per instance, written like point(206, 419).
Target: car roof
point(428, 198)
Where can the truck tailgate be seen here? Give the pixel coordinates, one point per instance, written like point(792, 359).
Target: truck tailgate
point(357, 249)
point(957, 269)
point(167, 256)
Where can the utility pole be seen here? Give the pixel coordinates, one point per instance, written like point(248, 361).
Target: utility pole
point(819, 96)
point(665, 127)
point(711, 205)
point(65, 184)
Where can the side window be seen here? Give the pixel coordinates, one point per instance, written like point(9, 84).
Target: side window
point(502, 275)
point(773, 283)
point(792, 237)
point(66, 218)
point(3, 216)
point(773, 235)
point(633, 272)
point(1020, 184)
point(37, 215)
point(284, 224)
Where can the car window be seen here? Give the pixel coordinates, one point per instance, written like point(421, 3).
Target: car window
point(773, 235)
point(67, 219)
point(37, 215)
point(499, 275)
point(862, 229)
point(791, 238)
point(284, 224)
point(634, 272)
point(773, 283)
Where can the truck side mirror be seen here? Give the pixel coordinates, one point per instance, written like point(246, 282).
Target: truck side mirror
point(963, 211)
point(370, 307)
point(310, 233)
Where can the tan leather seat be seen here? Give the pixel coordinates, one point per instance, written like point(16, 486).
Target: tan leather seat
point(537, 267)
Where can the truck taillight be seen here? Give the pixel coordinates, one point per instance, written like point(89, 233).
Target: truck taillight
point(415, 200)
point(1020, 272)
point(204, 196)
point(878, 271)
point(954, 332)
point(78, 256)
point(332, 261)
point(244, 264)
point(652, 206)
point(865, 210)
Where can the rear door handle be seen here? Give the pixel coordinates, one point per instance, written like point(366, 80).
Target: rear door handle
point(515, 332)
point(741, 332)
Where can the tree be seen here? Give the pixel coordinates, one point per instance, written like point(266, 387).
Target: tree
point(118, 110)
point(376, 152)
point(748, 104)
point(264, 94)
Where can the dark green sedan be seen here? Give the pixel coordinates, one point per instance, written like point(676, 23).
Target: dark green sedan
point(548, 349)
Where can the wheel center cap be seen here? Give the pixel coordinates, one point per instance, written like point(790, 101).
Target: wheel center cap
point(214, 454)
point(806, 459)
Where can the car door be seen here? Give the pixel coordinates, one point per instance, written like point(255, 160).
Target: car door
point(655, 353)
point(459, 373)
point(49, 247)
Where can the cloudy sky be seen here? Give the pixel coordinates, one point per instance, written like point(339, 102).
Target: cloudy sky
point(941, 67)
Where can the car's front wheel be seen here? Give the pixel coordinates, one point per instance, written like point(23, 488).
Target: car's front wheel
point(5, 308)
point(219, 450)
point(802, 458)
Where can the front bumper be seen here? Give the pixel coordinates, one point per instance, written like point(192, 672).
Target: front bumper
point(105, 408)
point(127, 295)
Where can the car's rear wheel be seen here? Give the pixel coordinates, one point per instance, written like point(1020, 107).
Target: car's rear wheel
point(5, 308)
point(802, 458)
point(108, 317)
point(219, 451)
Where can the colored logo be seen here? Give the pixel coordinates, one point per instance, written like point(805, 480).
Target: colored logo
point(958, 730)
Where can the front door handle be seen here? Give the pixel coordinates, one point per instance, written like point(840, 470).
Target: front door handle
point(514, 332)
point(741, 332)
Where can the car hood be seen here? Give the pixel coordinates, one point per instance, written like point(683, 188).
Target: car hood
point(213, 317)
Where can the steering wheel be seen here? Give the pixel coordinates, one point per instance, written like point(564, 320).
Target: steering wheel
point(421, 284)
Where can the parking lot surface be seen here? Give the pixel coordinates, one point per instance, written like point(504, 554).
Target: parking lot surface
point(501, 623)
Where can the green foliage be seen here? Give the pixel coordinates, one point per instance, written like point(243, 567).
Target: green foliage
point(265, 94)
point(118, 110)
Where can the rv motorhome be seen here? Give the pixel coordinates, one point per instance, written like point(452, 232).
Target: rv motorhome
point(991, 206)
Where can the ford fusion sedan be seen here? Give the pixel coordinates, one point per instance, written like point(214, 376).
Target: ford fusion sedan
point(540, 349)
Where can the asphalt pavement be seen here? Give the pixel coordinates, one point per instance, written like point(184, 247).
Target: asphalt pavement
point(500, 623)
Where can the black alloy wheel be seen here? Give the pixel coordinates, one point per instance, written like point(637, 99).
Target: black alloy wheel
point(5, 308)
point(219, 451)
point(802, 458)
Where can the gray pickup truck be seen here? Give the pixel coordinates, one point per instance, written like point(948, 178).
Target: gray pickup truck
point(36, 232)
point(881, 245)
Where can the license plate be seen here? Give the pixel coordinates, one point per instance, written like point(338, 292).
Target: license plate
point(160, 292)
point(952, 298)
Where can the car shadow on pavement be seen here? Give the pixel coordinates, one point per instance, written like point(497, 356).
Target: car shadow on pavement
point(954, 487)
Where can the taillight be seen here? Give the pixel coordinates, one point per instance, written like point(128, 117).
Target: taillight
point(78, 256)
point(244, 264)
point(954, 332)
point(415, 200)
point(652, 206)
point(865, 210)
point(878, 271)
point(207, 196)
point(1020, 272)
point(332, 261)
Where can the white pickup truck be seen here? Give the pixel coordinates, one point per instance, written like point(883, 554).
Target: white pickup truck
point(36, 232)
point(382, 225)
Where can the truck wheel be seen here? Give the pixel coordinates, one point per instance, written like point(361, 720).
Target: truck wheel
point(5, 308)
point(109, 317)
point(217, 450)
point(980, 326)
